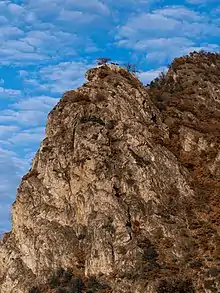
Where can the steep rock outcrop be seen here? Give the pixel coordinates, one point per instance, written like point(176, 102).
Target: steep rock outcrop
point(110, 195)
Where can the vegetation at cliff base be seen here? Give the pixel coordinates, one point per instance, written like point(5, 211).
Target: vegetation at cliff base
point(63, 281)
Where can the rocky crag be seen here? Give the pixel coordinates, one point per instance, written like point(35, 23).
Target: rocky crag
point(123, 193)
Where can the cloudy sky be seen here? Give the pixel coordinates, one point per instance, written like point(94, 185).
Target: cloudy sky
point(47, 45)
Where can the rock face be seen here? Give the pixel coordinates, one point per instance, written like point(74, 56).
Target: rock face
point(125, 185)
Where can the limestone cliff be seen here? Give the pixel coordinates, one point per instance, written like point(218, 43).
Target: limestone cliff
point(125, 186)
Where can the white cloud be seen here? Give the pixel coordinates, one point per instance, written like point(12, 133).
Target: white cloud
point(58, 78)
point(37, 34)
point(12, 167)
point(18, 120)
point(92, 5)
point(5, 224)
point(8, 92)
point(3, 20)
point(38, 45)
point(149, 23)
point(41, 103)
point(78, 17)
point(168, 32)
point(9, 31)
point(6, 130)
point(55, 5)
point(27, 118)
point(64, 76)
point(181, 13)
point(164, 49)
point(148, 76)
point(28, 137)
point(163, 44)
point(164, 22)
point(16, 9)
point(202, 1)
point(4, 212)
point(19, 45)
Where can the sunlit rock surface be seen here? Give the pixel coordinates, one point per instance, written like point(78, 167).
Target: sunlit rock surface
point(125, 185)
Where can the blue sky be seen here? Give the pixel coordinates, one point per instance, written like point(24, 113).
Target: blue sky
point(47, 45)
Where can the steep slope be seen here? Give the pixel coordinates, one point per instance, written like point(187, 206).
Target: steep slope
point(189, 99)
point(120, 190)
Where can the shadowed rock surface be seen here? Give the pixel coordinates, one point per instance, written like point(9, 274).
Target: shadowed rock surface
point(124, 188)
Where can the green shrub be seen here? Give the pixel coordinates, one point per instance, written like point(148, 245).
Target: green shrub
point(175, 285)
point(94, 286)
point(65, 282)
point(34, 289)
